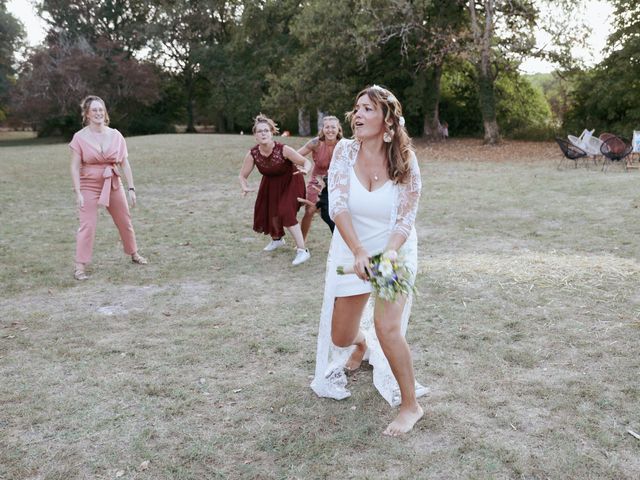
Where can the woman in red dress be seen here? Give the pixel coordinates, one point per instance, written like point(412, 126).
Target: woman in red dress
point(277, 202)
point(322, 147)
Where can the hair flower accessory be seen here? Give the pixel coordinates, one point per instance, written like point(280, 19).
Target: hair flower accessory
point(390, 97)
point(401, 121)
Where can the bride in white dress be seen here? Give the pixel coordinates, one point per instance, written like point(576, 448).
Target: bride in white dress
point(374, 189)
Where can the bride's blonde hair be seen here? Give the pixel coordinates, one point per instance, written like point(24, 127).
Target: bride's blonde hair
point(399, 149)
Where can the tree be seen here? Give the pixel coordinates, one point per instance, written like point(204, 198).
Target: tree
point(11, 37)
point(183, 31)
point(498, 28)
point(557, 88)
point(107, 35)
point(608, 96)
point(521, 109)
point(239, 64)
point(123, 22)
point(55, 78)
point(503, 33)
point(322, 75)
point(427, 33)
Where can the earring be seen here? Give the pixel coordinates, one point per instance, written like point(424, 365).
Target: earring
point(386, 138)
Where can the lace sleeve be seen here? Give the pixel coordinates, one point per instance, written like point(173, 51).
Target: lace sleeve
point(408, 200)
point(339, 179)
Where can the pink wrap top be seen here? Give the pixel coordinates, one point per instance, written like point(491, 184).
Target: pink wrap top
point(95, 157)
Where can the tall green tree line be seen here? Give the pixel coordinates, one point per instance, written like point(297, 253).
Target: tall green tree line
point(220, 62)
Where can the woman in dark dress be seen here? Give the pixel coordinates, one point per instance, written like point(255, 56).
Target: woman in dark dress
point(277, 202)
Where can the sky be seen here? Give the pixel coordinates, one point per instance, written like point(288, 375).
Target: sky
point(597, 14)
point(26, 13)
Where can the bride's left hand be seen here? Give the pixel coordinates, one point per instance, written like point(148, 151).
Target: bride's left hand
point(391, 255)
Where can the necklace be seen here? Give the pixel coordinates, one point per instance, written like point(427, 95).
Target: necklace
point(375, 177)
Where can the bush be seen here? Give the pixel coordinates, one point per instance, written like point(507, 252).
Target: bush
point(149, 126)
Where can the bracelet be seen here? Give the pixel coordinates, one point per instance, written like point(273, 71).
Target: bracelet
point(132, 189)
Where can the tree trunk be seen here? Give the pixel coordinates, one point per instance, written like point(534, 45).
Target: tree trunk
point(487, 97)
point(482, 39)
point(191, 128)
point(220, 122)
point(321, 116)
point(190, 87)
point(304, 123)
point(431, 129)
point(229, 123)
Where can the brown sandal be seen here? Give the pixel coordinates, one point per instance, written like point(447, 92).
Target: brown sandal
point(139, 259)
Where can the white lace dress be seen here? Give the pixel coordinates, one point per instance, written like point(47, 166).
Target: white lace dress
point(375, 215)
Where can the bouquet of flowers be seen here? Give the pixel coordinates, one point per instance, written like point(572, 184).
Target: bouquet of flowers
point(389, 276)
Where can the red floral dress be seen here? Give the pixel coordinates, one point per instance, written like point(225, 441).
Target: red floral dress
point(277, 200)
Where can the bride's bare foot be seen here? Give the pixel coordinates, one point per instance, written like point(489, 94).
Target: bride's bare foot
point(405, 421)
point(355, 360)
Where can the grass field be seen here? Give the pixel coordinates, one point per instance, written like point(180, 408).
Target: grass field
point(197, 366)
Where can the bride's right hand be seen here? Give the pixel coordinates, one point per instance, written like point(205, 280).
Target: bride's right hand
point(361, 263)
point(80, 200)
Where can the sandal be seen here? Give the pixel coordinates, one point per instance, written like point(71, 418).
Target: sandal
point(80, 274)
point(139, 259)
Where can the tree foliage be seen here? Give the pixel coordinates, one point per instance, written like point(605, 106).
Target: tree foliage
point(220, 62)
point(11, 37)
point(56, 77)
point(521, 109)
point(426, 33)
point(607, 97)
point(237, 69)
point(123, 22)
point(322, 73)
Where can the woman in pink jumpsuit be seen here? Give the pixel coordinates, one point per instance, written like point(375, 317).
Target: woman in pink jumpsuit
point(96, 153)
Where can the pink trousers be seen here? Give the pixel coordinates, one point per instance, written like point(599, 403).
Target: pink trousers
point(101, 185)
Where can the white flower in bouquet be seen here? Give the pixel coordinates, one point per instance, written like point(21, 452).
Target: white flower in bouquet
point(386, 267)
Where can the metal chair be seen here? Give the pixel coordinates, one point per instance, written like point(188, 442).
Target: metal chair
point(569, 152)
point(590, 144)
point(614, 149)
